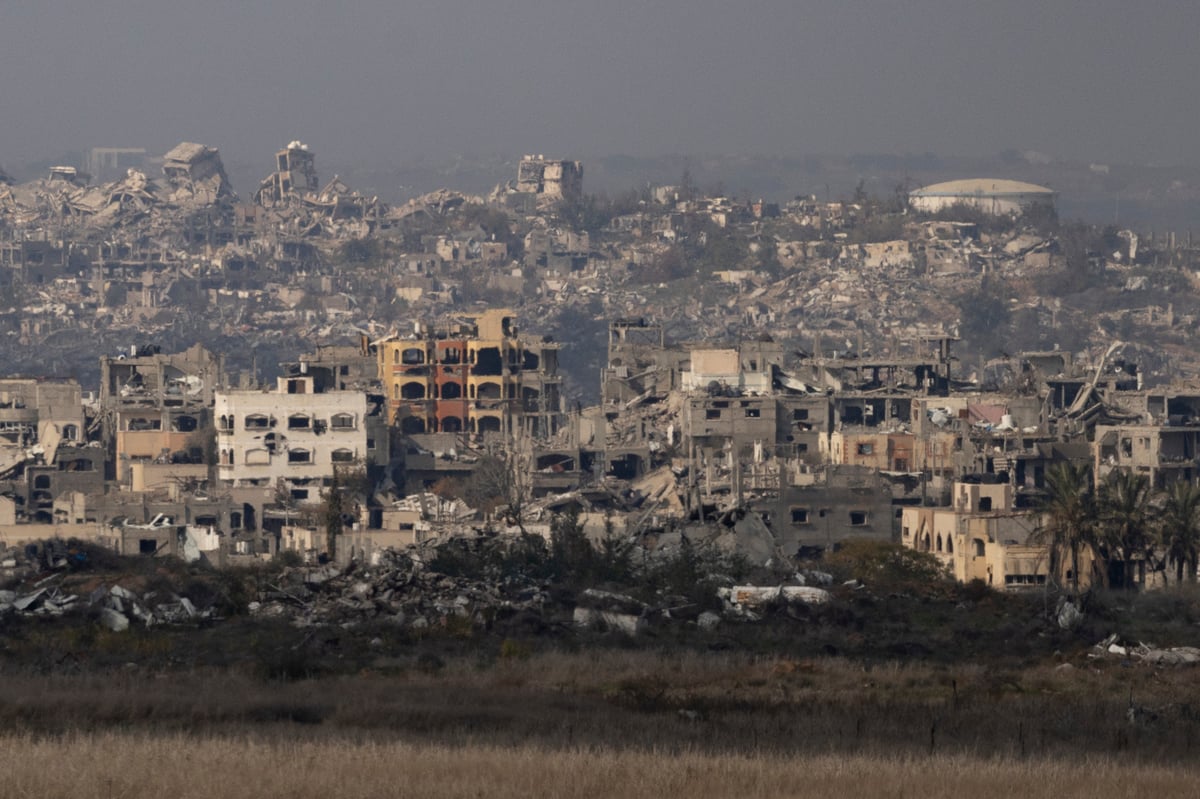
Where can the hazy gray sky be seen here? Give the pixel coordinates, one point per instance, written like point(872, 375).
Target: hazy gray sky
point(396, 81)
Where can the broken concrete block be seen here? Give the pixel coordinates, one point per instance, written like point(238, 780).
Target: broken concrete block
point(111, 619)
point(620, 622)
point(1069, 615)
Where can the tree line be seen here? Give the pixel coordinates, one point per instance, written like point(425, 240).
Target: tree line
point(1110, 526)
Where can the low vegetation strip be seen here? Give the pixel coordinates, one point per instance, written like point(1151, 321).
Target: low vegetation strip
point(92, 766)
point(599, 700)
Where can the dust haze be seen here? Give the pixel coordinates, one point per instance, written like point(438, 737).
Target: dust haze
point(401, 83)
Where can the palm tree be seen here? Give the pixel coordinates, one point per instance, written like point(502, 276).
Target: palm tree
point(1126, 517)
point(1068, 525)
point(1179, 528)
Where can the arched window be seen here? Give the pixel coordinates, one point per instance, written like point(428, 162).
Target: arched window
point(342, 456)
point(490, 390)
point(949, 543)
point(299, 456)
point(257, 421)
point(299, 421)
point(342, 421)
point(939, 542)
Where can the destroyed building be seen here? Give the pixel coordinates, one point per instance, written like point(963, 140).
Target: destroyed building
point(295, 175)
point(550, 178)
point(44, 450)
point(195, 172)
point(157, 408)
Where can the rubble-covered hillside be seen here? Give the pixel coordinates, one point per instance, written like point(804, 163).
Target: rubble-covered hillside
point(169, 253)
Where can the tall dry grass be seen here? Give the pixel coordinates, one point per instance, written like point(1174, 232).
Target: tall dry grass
point(721, 703)
point(131, 766)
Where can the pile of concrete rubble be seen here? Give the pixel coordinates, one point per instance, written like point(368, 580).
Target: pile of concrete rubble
point(1147, 653)
point(455, 583)
point(398, 587)
point(114, 607)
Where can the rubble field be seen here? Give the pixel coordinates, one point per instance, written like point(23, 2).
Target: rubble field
point(503, 597)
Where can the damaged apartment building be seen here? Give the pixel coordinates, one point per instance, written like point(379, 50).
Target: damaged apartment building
point(291, 438)
point(44, 450)
point(476, 375)
point(824, 447)
point(295, 176)
point(156, 408)
point(551, 178)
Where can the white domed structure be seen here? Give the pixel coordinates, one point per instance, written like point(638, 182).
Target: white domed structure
point(992, 196)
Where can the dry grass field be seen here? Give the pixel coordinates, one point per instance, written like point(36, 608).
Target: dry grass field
point(131, 766)
point(954, 691)
point(714, 703)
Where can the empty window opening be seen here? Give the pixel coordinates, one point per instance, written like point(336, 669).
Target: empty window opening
point(184, 424)
point(490, 391)
point(489, 362)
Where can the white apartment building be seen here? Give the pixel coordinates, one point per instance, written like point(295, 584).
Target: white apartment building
point(290, 433)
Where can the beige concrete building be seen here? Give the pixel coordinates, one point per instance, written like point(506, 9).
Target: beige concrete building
point(980, 537)
point(156, 407)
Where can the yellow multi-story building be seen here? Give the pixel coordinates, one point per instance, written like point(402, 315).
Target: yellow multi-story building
point(473, 376)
